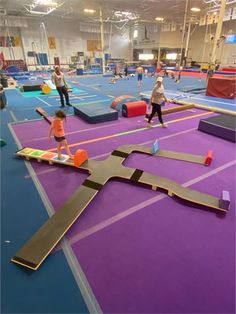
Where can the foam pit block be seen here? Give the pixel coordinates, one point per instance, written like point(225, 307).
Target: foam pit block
point(224, 200)
point(208, 159)
point(31, 87)
point(223, 126)
point(135, 108)
point(95, 113)
point(46, 89)
point(155, 147)
point(118, 102)
point(80, 157)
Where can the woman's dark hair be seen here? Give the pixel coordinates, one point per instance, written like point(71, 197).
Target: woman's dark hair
point(60, 114)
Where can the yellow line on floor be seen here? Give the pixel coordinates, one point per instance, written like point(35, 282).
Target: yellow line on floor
point(132, 131)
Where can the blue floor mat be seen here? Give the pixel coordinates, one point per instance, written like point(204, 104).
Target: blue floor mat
point(96, 113)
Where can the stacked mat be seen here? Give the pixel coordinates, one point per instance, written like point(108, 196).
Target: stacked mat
point(96, 113)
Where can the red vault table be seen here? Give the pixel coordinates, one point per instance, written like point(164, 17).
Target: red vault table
point(224, 87)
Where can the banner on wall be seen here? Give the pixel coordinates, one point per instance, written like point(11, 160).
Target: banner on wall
point(12, 41)
point(17, 41)
point(94, 45)
point(52, 42)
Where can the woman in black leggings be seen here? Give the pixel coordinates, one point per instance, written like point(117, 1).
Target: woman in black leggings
point(156, 101)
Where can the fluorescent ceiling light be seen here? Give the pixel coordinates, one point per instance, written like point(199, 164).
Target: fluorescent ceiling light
point(195, 9)
point(159, 19)
point(135, 33)
point(90, 11)
point(45, 2)
point(42, 12)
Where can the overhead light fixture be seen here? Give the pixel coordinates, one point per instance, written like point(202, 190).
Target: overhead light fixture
point(90, 11)
point(45, 2)
point(125, 15)
point(195, 9)
point(217, 3)
point(135, 33)
point(159, 19)
point(50, 10)
point(43, 7)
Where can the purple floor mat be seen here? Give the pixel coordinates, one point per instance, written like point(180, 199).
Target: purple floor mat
point(141, 251)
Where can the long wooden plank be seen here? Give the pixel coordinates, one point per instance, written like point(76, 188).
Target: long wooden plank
point(163, 153)
point(205, 107)
point(177, 109)
point(44, 114)
point(173, 188)
point(33, 253)
point(181, 156)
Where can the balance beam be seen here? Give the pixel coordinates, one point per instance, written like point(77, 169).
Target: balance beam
point(42, 155)
point(34, 252)
point(208, 108)
point(176, 109)
point(44, 114)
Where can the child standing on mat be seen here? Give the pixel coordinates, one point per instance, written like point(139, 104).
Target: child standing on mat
point(57, 129)
point(58, 79)
point(156, 101)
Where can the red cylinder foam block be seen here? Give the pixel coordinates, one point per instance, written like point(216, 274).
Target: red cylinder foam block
point(80, 157)
point(208, 159)
point(133, 109)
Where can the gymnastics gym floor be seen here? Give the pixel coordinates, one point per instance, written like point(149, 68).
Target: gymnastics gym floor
point(133, 250)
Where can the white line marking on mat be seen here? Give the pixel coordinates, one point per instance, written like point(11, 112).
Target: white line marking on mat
point(13, 116)
point(45, 102)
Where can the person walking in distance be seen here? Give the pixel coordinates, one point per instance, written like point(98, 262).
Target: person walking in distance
point(58, 79)
point(139, 71)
